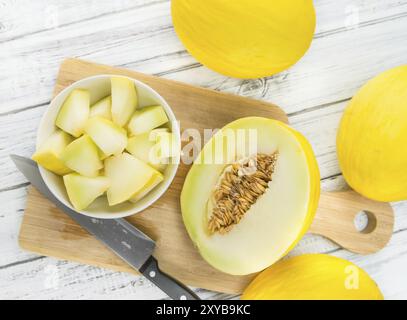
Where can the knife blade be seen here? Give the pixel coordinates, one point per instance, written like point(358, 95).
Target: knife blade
point(125, 240)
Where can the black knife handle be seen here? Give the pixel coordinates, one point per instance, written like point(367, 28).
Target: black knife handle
point(174, 289)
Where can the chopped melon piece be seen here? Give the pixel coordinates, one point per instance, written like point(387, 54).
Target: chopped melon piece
point(83, 190)
point(102, 108)
point(150, 185)
point(82, 156)
point(124, 100)
point(128, 175)
point(167, 145)
point(147, 119)
point(142, 147)
point(49, 153)
point(108, 136)
point(74, 112)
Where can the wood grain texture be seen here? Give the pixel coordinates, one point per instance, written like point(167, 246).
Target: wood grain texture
point(47, 231)
point(354, 40)
point(335, 219)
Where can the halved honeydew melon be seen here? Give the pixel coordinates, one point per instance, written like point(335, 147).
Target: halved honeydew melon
point(108, 136)
point(128, 176)
point(142, 146)
point(272, 183)
point(124, 100)
point(74, 112)
point(82, 191)
point(102, 108)
point(146, 119)
point(49, 153)
point(82, 156)
point(150, 185)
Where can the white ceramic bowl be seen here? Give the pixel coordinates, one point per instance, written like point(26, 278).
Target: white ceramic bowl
point(99, 87)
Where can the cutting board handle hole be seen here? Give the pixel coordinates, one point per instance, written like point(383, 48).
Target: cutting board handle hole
point(365, 222)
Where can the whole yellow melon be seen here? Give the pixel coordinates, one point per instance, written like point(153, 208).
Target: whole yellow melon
point(372, 138)
point(245, 38)
point(313, 277)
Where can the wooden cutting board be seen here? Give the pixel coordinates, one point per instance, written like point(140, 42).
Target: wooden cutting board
point(47, 231)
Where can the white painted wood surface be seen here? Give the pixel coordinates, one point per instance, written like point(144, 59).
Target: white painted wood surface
point(355, 40)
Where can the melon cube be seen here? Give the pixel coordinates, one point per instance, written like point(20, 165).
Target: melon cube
point(124, 100)
point(150, 185)
point(74, 112)
point(142, 147)
point(102, 108)
point(146, 119)
point(82, 156)
point(128, 175)
point(82, 191)
point(108, 136)
point(167, 146)
point(49, 153)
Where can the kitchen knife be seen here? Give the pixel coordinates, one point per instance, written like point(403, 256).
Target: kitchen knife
point(129, 243)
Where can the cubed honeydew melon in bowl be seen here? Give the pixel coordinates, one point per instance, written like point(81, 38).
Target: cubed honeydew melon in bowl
point(82, 156)
point(128, 176)
point(113, 139)
point(102, 108)
point(108, 136)
point(49, 153)
point(245, 207)
point(82, 191)
point(74, 112)
point(146, 119)
point(124, 99)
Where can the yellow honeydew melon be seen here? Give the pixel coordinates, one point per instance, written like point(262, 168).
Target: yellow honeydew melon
point(146, 119)
point(150, 185)
point(142, 146)
point(372, 138)
point(82, 156)
point(102, 108)
point(313, 277)
point(124, 99)
point(108, 136)
point(128, 175)
point(74, 112)
point(83, 190)
point(49, 153)
point(277, 220)
point(245, 38)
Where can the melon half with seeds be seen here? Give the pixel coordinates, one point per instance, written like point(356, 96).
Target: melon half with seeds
point(250, 195)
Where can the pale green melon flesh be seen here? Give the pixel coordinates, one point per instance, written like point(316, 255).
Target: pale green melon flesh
point(150, 185)
point(108, 136)
point(82, 191)
point(147, 119)
point(142, 146)
point(124, 100)
point(74, 112)
point(82, 156)
point(102, 108)
point(49, 153)
point(128, 175)
point(272, 224)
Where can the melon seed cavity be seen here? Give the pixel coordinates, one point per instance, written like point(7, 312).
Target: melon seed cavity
point(239, 187)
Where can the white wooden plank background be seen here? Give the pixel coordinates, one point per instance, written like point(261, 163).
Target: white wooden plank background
point(355, 40)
